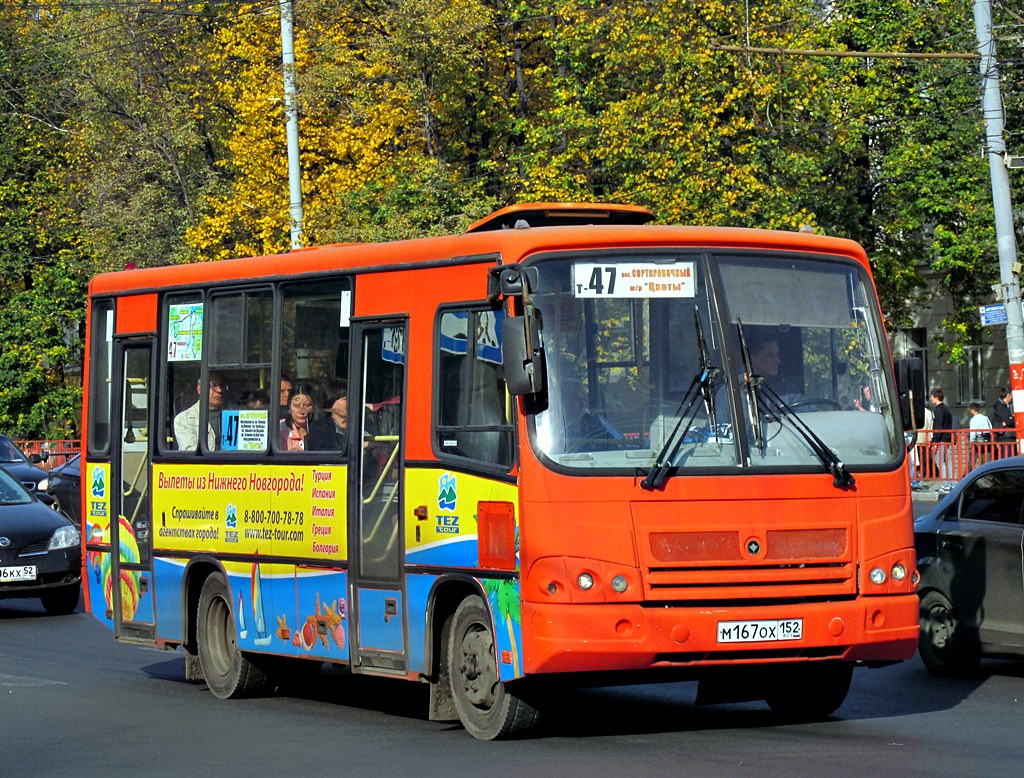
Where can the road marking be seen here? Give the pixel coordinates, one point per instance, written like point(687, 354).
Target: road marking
point(24, 680)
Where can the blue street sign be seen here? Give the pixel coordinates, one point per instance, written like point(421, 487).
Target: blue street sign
point(992, 314)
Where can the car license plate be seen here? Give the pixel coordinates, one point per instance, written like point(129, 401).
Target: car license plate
point(761, 631)
point(22, 573)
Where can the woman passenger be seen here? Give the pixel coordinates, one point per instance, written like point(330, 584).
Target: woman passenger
point(295, 426)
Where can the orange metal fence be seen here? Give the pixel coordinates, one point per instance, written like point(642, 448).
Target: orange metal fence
point(57, 452)
point(952, 460)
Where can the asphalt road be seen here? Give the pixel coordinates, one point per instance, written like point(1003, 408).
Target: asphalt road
point(74, 702)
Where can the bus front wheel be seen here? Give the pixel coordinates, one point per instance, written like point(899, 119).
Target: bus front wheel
point(227, 671)
point(486, 707)
point(809, 692)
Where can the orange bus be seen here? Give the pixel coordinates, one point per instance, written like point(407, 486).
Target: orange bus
point(566, 446)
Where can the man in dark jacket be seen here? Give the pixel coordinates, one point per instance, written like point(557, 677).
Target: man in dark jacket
point(943, 424)
point(1002, 421)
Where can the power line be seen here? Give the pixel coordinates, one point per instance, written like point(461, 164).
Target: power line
point(838, 53)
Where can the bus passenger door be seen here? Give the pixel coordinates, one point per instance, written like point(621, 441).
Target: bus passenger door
point(376, 572)
point(131, 569)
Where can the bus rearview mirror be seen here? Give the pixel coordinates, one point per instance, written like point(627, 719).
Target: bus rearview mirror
point(522, 355)
point(910, 384)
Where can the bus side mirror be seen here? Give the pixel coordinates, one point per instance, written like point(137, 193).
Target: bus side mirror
point(522, 355)
point(910, 385)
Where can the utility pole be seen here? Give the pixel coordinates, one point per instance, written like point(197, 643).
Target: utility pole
point(291, 111)
point(1009, 285)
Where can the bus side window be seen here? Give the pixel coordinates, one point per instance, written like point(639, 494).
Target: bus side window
point(101, 376)
point(472, 420)
point(183, 318)
point(241, 346)
point(314, 352)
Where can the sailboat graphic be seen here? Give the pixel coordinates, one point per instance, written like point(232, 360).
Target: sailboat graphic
point(242, 631)
point(257, 607)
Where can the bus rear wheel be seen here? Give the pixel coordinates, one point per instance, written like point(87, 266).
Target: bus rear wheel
point(227, 671)
point(809, 692)
point(486, 707)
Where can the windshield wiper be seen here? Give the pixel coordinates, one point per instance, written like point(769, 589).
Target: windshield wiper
point(752, 383)
point(708, 374)
point(759, 391)
point(702, 387)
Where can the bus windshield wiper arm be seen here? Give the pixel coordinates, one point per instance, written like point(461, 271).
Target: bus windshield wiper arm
point(708, 374)
point(753, 383)
point(841, 477)
point(702, 386)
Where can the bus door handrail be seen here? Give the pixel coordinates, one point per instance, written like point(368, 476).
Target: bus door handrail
point(390, 463)
point(389, 501)
point(143, 461)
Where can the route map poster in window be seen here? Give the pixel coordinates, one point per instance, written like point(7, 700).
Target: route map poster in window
point(185, 332)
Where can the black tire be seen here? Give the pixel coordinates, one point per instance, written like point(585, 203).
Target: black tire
point(227, 671)
point(61, 602)
point(810, 692)
point(944, 648)
point(486, 707)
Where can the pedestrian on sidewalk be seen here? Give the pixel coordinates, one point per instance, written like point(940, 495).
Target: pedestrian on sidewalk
point(1003, 423)
point(980, 437)
point(943, 436)
point(921, 461)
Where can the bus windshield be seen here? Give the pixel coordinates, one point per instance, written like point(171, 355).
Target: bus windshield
point(714, 362)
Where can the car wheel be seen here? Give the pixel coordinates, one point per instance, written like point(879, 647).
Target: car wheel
point(227, 671)
point(810, 692)
point(486, 707)
point(944, 648)
point(60, 602)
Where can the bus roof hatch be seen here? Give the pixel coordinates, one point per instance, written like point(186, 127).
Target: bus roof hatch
point(562, 215)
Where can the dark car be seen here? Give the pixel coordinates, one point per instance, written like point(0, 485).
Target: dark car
point(21, 467)
point(63, 486)
point(970, 553)
point(40, 550)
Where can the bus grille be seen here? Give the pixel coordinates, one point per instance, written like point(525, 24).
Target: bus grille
point(732, 565)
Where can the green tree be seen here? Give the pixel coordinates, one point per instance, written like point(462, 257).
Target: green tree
point(42, 283)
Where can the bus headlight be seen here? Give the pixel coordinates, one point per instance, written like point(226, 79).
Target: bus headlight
point(878, 576)
point(899, 572)
point(619, 583)
point(585, 581)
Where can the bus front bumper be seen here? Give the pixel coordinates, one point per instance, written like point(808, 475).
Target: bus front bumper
point(609, 637)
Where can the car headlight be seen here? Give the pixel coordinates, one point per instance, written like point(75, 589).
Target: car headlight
point(43, 485)
point(64, 537)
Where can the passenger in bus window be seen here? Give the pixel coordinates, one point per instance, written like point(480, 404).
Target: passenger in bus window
point(186, 423)
point(865, 402)
point(286, 392)
point(256, 399)
point(295, 426)
point(330, 431)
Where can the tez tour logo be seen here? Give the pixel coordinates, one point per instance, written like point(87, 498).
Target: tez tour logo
point(447, 497)
point(447, 494)
point(99, 486)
